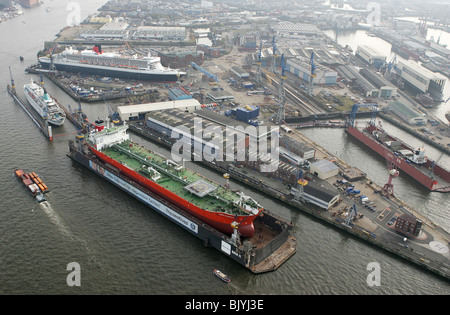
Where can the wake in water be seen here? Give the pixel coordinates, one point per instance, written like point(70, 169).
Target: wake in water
point(55, 219)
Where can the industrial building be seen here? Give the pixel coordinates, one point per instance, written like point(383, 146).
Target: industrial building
point(244, 114)
point(28, 3)
point(387, 89)
point(173, 130)
point(322, 197)
point(179, 93)
point(105, 34)
point(351, 74)
point(299, 148)
point(220, 96)
point(301, 68)
point(5, 3)
point(324, 169)
point(409, 224)
point(371, 56)
point(180, 59)
point(160, 33)
point(164, 121)
point(293, 30)
point(235, 127)
point(133, 112)
point(420, 78)
point(407, 113)
point(241, 73)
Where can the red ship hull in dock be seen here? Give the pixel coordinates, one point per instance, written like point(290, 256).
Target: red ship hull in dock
point(218, 220)
point(429, 174)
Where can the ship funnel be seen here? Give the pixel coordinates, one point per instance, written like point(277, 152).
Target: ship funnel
point(99, 125)
point(98, 49)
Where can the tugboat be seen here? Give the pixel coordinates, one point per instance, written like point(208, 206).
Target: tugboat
point(221, 276)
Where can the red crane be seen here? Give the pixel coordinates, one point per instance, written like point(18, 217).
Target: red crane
point(388, 189)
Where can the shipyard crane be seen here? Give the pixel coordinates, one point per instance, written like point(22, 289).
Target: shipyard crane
point(13, 85)
point(352, 214)
point(351, 121)
point(52, 67)
point(313, 74)
point(433, 164)
point(274, 55)
point(280, 115)
point(388, 188)
point(388, 67)
point(258, 63)
point(115, 116)
point(210, 75)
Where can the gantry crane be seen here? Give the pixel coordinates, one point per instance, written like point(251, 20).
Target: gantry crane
point(258, 71)
point(313, 74)
point(274, 55)
point(280, 115)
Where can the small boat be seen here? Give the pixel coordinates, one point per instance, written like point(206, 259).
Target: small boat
point(21, 58)
point(33, 183)
point(221, 276)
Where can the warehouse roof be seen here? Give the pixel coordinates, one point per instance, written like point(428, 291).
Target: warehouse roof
point(405, 110)
point(148, 107)
point(325, 165)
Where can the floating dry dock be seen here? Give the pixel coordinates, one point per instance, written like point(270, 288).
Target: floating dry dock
point(270, 246)
point(35, 117)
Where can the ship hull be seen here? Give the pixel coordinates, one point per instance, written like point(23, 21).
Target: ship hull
point(112, 72)
point(218, 220)
point(404, 165)
point(278, 247)
point(38, 109)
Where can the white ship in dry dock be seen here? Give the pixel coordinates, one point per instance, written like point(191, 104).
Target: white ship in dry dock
point(96, 62)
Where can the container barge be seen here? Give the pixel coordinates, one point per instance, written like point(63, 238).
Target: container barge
point(33, 183)
point(412, 162)
point(252, 236)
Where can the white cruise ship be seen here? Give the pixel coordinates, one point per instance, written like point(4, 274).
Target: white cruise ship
point(44, 104)
point(96, 62)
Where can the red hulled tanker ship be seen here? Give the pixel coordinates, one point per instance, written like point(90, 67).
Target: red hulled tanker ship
point(411, 161)
point(220, 208)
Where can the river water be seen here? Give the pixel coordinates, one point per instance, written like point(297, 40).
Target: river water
point(122, 247)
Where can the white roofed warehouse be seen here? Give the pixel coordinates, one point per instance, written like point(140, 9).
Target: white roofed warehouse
point(302, 69)
point(134, 112)
point(160, 33)
point(324, 169)
point(424, 80)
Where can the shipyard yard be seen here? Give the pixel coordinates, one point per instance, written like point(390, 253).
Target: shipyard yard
point(296, 90)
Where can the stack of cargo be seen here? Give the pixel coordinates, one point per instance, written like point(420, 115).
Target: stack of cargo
point(33, 183)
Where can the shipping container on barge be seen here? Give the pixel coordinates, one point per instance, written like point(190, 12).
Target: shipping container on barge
point(269, 247)
point(33, 183)
point(410, 161)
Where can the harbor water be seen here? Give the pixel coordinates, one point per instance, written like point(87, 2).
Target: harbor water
point(123, 247)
